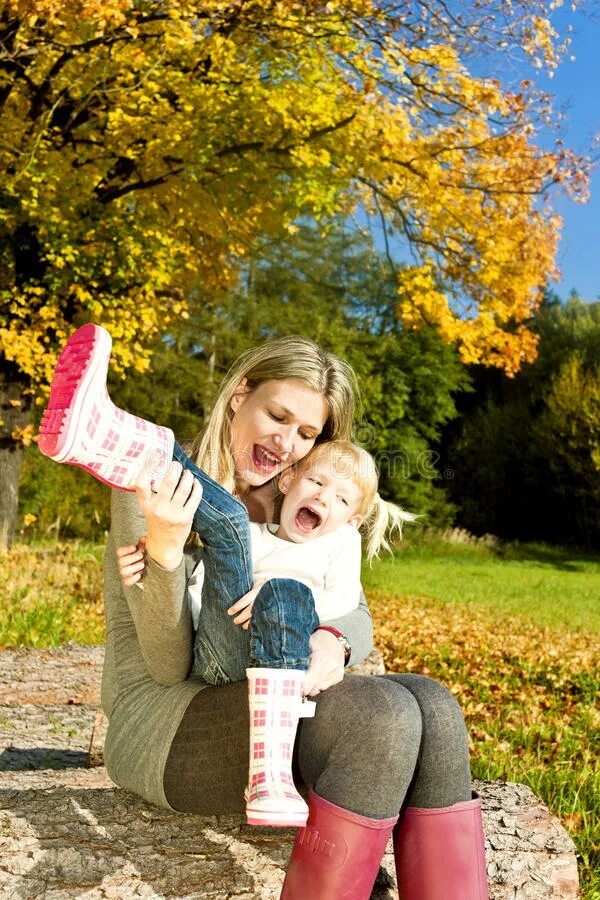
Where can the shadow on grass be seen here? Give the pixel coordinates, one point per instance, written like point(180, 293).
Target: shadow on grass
point(566, 559)
point(563, 558)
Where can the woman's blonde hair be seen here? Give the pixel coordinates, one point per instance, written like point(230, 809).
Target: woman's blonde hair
point(276, 360)
point(381, 519)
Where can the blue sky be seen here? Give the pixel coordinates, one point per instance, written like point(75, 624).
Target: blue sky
point(576, 85)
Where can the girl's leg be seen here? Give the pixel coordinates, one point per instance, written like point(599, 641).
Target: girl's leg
point(81, 426)
point(283, 618)
point(221, 521)
point(207, 769)
point(283, 615)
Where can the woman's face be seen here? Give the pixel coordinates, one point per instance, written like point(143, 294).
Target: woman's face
point(273, 426)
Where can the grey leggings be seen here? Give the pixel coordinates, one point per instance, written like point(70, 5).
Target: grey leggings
point(376, 743)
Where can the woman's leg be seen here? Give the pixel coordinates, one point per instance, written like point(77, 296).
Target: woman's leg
point(361, 749)
point(360, 756)
point(207, 767)
point(443, 774)
point(439, 842)
point(358, 752)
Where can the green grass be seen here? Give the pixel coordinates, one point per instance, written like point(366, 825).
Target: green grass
point(551, 587)
point(52, 594)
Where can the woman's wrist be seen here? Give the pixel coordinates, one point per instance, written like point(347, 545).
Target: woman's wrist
point(165, 556)
point(341, 638)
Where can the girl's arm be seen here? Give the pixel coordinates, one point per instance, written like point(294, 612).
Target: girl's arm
point(160, 611)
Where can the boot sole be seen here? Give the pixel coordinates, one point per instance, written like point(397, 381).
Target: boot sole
point(85, 356)
point(276, 819)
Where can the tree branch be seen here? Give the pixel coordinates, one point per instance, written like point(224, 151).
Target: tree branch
point(108, 194)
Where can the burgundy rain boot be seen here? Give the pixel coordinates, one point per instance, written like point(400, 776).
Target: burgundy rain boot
point(440, 853)
point(337, 855)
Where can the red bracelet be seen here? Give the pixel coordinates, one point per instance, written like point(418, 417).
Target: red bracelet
point(341, 638)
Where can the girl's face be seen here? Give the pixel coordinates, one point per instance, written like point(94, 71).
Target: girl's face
point(319, 499)
point(273, 426)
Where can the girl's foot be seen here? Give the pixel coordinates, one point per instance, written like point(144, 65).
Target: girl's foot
point(82, 427)
point(275, 699)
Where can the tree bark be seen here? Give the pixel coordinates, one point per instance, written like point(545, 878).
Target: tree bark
point(15, 415)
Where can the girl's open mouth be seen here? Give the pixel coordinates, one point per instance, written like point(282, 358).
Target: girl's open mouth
point(307, 519)
point(264, 460)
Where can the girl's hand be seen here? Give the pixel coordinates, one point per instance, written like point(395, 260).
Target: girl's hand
point(326, 663)
point(242, 609)
point(131, 562)
point(169, 512)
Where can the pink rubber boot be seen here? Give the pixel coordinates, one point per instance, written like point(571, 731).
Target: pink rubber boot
point(440, 853)
point(276, 704)
point(82, 427)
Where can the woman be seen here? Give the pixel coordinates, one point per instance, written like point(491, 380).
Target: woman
point(376, 745)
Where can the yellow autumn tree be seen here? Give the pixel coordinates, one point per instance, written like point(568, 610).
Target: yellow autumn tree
point(146, 146)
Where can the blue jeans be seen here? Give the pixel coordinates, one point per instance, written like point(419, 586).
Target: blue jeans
point(283, 614)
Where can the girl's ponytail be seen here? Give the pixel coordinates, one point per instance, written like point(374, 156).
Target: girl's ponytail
point(383, 521)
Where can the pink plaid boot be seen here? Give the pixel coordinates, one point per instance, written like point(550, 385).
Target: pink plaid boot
point(82, 427)
point(276, 704)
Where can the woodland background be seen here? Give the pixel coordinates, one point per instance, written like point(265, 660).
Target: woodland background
point(189, 175)
point(460, 445)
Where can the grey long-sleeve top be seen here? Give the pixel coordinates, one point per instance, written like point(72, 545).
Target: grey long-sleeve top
point(146, 681)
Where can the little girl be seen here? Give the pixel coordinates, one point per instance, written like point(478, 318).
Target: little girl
point(307, 567)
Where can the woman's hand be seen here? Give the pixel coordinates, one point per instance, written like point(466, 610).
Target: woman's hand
point(169, 512)
point(132, 563)
point(326, 663)
point(242, 609)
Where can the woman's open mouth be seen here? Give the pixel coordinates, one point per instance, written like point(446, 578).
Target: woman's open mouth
point(264, 460)
point(307, 520)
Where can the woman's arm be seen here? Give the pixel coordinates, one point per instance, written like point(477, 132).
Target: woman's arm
point(357, 627)
point(345, 607)
point(160, 610)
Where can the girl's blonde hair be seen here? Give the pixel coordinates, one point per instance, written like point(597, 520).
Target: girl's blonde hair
point(277, 360)
point(381, 519)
